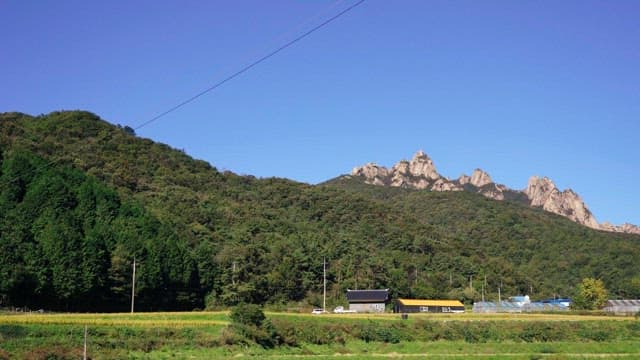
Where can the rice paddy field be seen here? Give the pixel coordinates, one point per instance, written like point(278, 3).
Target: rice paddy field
point(209, 335)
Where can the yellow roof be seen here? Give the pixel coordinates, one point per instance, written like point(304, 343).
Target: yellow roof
point(416, 302)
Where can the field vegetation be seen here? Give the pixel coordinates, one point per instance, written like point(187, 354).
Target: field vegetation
point(205, 335)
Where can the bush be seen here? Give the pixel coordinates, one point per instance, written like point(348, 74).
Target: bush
point(249, 322)
point(247, 314)
point(229, 337)
point(544, 332)
point(382, 333)
point(598, 335)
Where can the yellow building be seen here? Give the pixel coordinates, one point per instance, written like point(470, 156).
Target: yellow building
point(431, 306)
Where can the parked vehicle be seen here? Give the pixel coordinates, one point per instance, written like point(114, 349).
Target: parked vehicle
point(341, 310)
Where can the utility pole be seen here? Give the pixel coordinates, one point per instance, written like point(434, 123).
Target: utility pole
point(133, 284)
point(233, 273)
point(484, 285)
point(84, 353)
point(324, 284)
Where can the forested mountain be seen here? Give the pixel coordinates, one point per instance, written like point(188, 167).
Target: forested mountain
point(80, 198)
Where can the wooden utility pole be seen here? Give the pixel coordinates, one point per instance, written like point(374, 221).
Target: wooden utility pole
point(233, 273)
point(324, 284)
point(484, 285)
point(84, 353)
point(133, 284)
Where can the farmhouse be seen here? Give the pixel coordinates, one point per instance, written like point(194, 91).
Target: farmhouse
point(367, 300)
point(622, 307)
point(432, 306)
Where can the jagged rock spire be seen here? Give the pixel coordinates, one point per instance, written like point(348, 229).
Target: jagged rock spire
point(420, 173)
point(479, 178)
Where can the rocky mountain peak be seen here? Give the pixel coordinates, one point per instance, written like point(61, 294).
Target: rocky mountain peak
point(374, 173)
point(420, 173)
point(539, 190)
point(480, 178)
point(542, 192)
point(422, 166)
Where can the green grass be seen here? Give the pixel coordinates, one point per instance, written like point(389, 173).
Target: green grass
point(431, 350)
point(204, 335)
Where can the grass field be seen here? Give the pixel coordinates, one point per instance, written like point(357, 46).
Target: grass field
point(205, 335)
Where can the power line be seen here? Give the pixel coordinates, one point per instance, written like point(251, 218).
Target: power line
point(218, 84)
point(248, 67)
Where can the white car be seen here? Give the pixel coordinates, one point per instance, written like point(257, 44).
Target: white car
point(341, 310)
point(318, 311)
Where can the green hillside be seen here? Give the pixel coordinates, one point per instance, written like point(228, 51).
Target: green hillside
point(80, 198)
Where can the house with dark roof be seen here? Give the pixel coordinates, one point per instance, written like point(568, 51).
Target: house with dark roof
point(367, 300)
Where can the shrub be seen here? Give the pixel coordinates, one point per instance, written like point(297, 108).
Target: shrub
point(543, 332)
point(247, 314)
point(249, 322)
point(382, 333)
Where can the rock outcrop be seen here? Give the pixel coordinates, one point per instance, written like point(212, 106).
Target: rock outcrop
point(420, 173)
point(542, 192)
point(373, 173)
point(624, 228)
point(479, 178)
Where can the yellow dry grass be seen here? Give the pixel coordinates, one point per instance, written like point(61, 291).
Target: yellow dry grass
point(198, 319)
point(158, 319)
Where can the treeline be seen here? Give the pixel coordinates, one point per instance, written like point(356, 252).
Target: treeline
point(68, 242)
point(80, 198)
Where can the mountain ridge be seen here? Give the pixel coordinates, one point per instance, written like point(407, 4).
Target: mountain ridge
point(420, 173)
point(74, 184)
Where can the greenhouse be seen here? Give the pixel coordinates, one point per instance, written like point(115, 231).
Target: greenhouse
point(514, 307)
point(622, 307)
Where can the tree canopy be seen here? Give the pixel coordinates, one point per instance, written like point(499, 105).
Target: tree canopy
point(80, 198)
point(590, 295)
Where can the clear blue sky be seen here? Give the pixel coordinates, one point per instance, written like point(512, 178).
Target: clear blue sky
point(517, 88)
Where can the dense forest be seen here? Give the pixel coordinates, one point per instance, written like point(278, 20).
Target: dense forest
point(81, 198)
